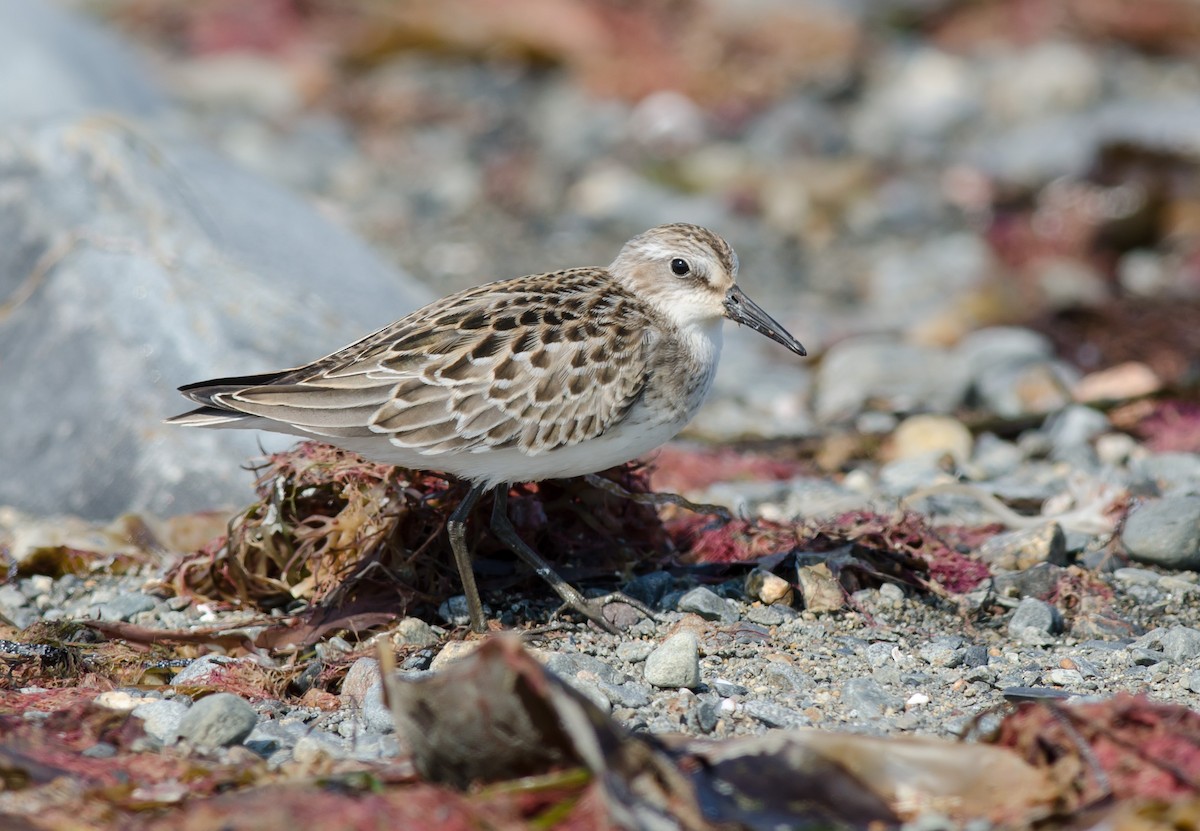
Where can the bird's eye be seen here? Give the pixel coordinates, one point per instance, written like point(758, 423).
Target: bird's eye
point(680, 267)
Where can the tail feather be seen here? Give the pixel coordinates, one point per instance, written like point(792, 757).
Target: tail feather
point(204, 392)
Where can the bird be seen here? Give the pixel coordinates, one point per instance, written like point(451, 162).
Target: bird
point(545, 376)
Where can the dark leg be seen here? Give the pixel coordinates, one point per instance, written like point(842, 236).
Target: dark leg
point(456, 526)
point(504, 530)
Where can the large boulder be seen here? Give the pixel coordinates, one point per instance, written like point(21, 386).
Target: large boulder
point(136, 260)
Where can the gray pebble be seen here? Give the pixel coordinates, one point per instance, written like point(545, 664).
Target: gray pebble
point(634, 651)
point(161, 718)
point(675, 663)
point(412, 631)
point(729, 688)
point(707, 604)
point(976, 656)
point(943, 652)
point(774, 715)
point(649, 588)
point(1179, 644)
point(879, 654)
point(770, 615)
point(1075, 425)
point(197, 671)
point(124, 606)
point(1035, 622)
point(866, 697)
point(100, 750)
point(454, 611)
point(1165, 532)
point(1169, 474)
point(375, 713)
point(1021, 549)
point(218, 720)
point(1191, 682)
point(570, 665)
point(630, 694)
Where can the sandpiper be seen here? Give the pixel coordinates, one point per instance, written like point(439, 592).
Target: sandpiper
point(545, 376)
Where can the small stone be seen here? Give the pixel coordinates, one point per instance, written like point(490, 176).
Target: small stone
point(866, 697)
point(375, 713)
point(317, 746)
point(1165, 532)
point(1132, 379)
point(200, 672)
point(767, 587)
point(454, 651)
point(770, 615)
point(630, 694)
point(774, 715)
point(891, 593)
point(675, 664)
point(412, 631)
point(118, 700)
point(921, 435)
point(101, 750)
point(634, 651)
point(976, 656)
point(1115, 449)
point(707, 604)
point(943, 652)
point(649, 588)
point(916, 700)
point(1040, 581)
point(1191, 682)
point(1075, 425)
point(362, 674)
point(879, 654)
point(819, 589)
point(124, 606)
point(1035, 622)
point(729, 688)
point(1018, 550)
point(1064, 677)
point(1181, 644)
point(218, 720)
point(1016, 390)
point(455, 612)
point(161, 718)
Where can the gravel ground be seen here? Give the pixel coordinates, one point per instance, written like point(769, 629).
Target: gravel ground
point(718, 661)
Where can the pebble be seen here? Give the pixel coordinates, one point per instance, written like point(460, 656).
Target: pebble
point(1024, 548)
point(412, 631)
point(1035, 622)
point(162, 718)
point(124, 606)
point(118, 700)
point(1178, 644)
point(768, 587)
point(922, 435)
point(634, 651)
point(675, 663)
point(707, 604)
point(453, 651)
point(1075, 425)
point(774, 715)
point(218, 720)
point(1165, 532)
point(867, 698)
point(360, 677)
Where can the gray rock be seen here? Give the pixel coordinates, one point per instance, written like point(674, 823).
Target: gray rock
point(985, 350)
point(629, 694)
point(363, 673)
point(1038, 581)
point(675, 663)
point(218, 720)
point(169, 263)
point(1075, 425)
point(1022, 389)
point(124, 606)
point(1035, 622)
point(945, 651)
point(1191, 682)
point(1169, 474)
point(199, 670)
point(993, 457)
point(707, 604)
point(1025, 548)
point(896, 375)
point(162, 718)
point(375, 713)
point(1165, 532)
point(1177, 644)
point(412, 631)
point(66, 64)
point(571, 666)
point(649, 588)
point(634, 651)
point(774, 715)
point(867, 697)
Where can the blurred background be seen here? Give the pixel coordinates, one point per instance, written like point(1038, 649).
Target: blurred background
point(986, 207)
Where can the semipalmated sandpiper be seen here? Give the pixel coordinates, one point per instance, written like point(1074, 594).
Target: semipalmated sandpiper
point(545, 376)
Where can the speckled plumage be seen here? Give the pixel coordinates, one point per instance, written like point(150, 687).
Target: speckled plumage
point(549, 375)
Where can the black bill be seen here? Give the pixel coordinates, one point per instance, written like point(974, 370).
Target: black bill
point(741, 309)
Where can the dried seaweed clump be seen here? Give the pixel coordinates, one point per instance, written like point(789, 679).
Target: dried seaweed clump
point(330, 528)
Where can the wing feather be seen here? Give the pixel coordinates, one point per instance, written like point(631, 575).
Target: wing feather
point(535, 363)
